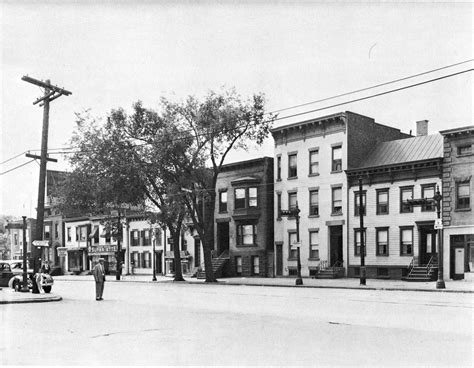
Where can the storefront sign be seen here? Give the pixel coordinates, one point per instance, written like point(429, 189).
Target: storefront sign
point(101, 249)
point(62, 251)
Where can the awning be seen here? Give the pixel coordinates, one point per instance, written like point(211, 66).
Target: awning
point(94, 232)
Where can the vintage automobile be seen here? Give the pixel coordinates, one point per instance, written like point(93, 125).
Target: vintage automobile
point(11, 275)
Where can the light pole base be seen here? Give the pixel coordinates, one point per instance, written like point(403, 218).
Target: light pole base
point(440, 284)
point(299, 281)
point(154, 278)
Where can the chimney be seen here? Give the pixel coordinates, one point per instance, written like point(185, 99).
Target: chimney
point(421, 128)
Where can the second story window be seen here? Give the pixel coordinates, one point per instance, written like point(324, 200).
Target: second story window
point(464, 150)
point(292, 166)
point(336, 201)
point(47, 232)
point(336, 158)
point(223, 201)
point(314, 203)
point(313, 162)
point(382, 202)
point(428, 192)
point(357, 203)
point(463, 195)
point(134, 236)
point(146, 237)
point(246, 197)
point(406, 193)
point(68, 231)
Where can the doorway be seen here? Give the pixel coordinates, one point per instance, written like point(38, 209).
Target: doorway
point(428, 244)
point(279, 259)
point(335, 244)
point(222, 237)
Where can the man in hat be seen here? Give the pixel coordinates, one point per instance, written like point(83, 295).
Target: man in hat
point(99, 276)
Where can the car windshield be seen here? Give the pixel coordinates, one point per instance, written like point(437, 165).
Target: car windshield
point(17, 266)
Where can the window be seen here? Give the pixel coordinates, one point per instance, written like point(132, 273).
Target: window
point(382, 241)
point(278, 206)
point(382, 202)
point(357, 203)
point(314, 244)
point(464, 150)
point(463, 195)
point(146, 260)
point(255, 265)
point(292, 200)
point(337, 201)
point(223, 201)
point(336, 158)
point(406, 193)
point(83, 233)
point(406, 241)
point(239, 198)
point(96, 234)
point(428, 192)
point(146, 237)
point(292, 166)
point(47, 232)
point(135, 260)
point(135, 238)
point(313, 162)
point(278, 168)
point(15, 239)
point(246, 234)
point(314, 202)
point(246, 197)
point(56, 231)
point(68, 234)
point(238, 265)
point(357, 242)
point(292, 252)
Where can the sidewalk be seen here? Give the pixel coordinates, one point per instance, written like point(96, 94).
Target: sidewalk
point(8, 295)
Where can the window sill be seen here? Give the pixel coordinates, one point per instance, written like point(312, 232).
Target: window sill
point(406, 255)
point(382, 255)
point(336, 171)
point(279, 179)
point(246, 245)
point(316, 174)
point(313, 216)
point(465, 154)
point(313, 259)
point(382, 214)
point(223, 212)
point(337, 214)
point(383, 277)
point(462, 210)
point(292, 259)
point(402, 212)
point(292, 178)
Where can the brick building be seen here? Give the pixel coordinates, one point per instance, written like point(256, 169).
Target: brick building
point(310, 160)
point(458, 218)
point(244, 217)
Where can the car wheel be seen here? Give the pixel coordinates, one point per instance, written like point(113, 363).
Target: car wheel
point(47, 289)
point(16, 285)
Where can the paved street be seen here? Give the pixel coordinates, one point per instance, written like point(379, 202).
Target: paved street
point(198, 324)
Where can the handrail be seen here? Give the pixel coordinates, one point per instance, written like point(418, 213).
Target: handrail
point(430, 264)
point(412, 264)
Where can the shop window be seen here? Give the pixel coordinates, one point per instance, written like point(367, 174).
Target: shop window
point(382, 202)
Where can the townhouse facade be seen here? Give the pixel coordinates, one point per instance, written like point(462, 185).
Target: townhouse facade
point(243, 217)
point(458, 188)
point(14, 233)
point(310, 160)
point(396, 234)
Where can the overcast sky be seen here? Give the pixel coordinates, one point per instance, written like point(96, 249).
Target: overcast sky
point(111, 54)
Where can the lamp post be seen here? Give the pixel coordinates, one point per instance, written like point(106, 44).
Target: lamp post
point(24, 287)
point(295, 212)
point(154, 255)
point(439, 228)
point(362, 243)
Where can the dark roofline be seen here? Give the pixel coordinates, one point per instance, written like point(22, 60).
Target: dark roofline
point(252, 162)
point(392, 166)
point(340, 115)
point(466, 129)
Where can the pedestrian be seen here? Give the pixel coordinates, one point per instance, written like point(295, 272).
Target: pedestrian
point(99, 276)
point(46, 268)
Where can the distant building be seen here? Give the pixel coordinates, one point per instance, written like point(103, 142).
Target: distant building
point(458, 189)
point(14, 233)
point(310, 159)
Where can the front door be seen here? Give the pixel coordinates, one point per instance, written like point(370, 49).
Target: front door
point(222, 237)
point(279, 259)
point(335, 244)
point(428, 247)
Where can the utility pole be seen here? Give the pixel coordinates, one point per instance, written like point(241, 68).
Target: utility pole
point(24, 286)
point(362, 240)
point(51, 93)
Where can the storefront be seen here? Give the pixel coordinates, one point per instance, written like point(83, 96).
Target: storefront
point(107, 252)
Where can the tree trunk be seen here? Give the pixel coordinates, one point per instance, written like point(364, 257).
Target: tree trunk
point(208, 241)
point(178, 273)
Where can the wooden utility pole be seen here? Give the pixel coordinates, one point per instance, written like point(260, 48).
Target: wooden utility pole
point(51, 93)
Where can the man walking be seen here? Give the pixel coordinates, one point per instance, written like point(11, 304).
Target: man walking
point(99, 276)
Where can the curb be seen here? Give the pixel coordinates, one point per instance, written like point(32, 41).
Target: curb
point(32, 300)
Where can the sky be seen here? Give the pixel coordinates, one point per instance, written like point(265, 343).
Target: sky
point(112, 54)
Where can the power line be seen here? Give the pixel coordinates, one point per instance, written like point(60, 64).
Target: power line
point(12, 158)
point(17, 167)
point(371, 87)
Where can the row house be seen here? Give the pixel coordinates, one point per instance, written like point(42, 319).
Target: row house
point(244, 217)
point(458, 189)
point(310, 160)
point(14, 233)
point(396, 234)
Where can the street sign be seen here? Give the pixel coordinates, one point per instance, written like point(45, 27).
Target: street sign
point(41, 243)
point(438, 225)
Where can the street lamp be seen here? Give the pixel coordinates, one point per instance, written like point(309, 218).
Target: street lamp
point(439, 228)
point(295, 212)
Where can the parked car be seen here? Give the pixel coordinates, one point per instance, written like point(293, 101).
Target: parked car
point(11, 275)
